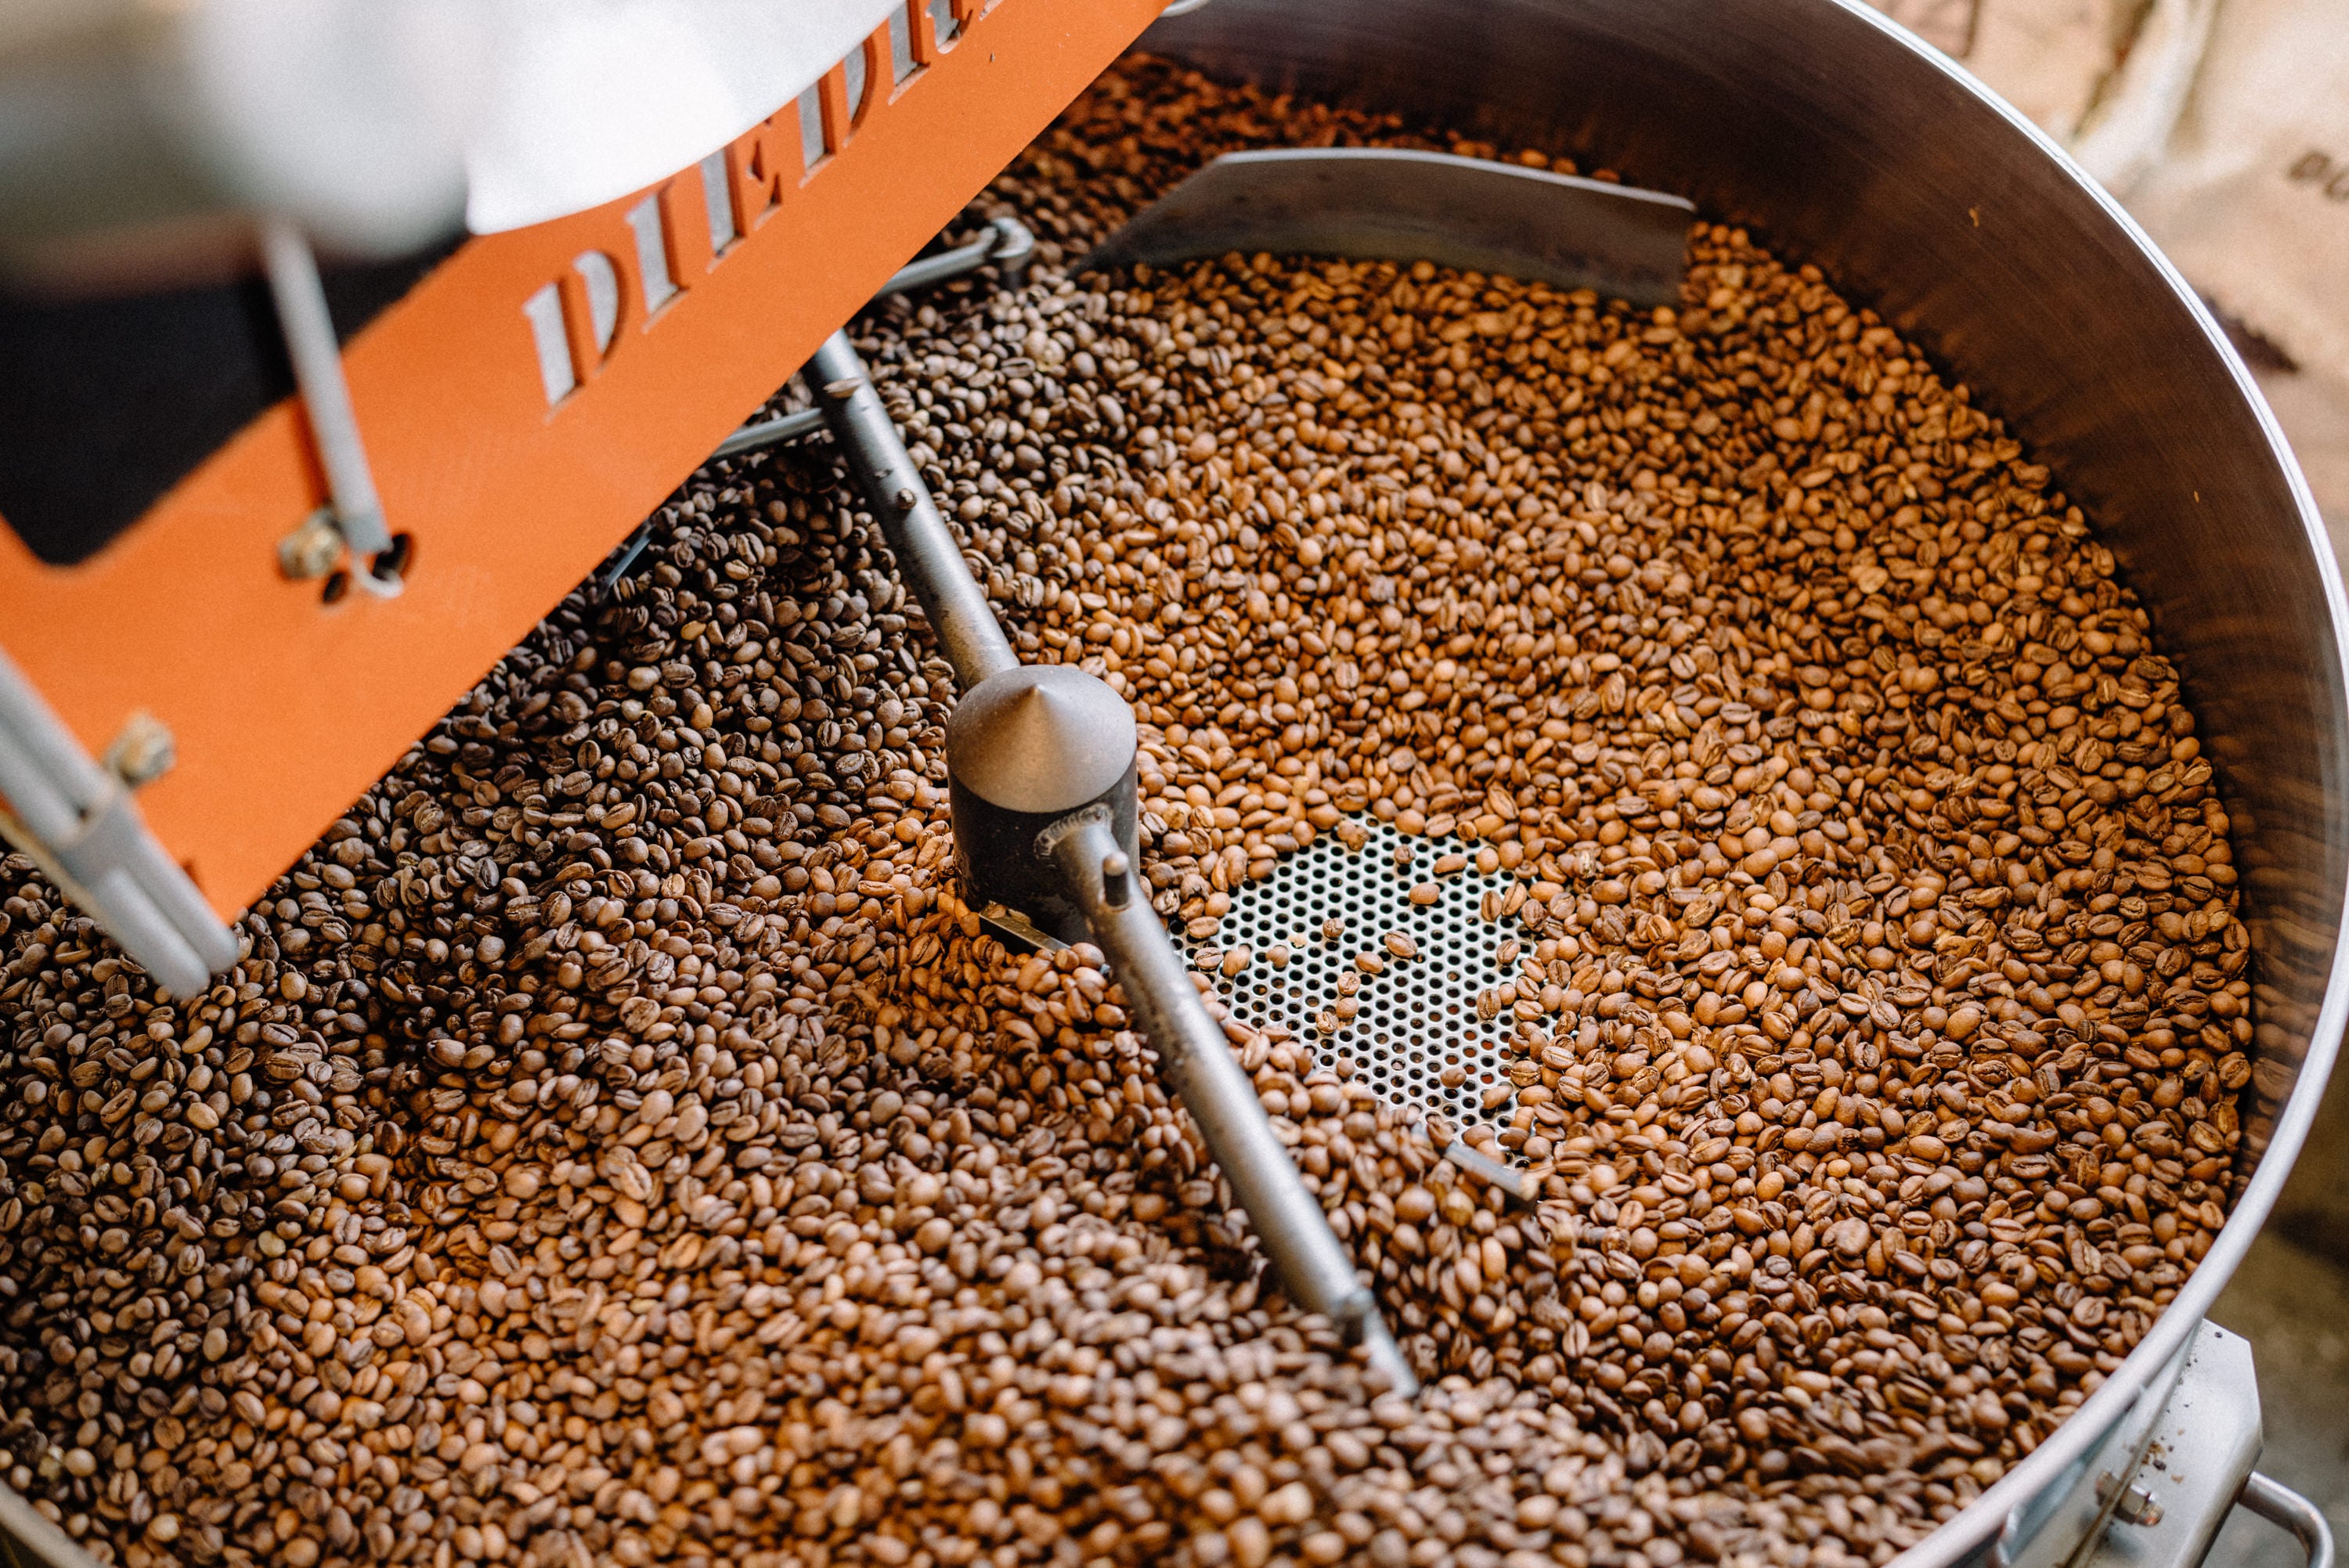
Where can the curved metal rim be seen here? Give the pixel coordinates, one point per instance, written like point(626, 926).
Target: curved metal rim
point(1980, 1521)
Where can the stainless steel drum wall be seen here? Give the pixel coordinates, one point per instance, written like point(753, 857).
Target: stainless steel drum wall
point(1844, 141)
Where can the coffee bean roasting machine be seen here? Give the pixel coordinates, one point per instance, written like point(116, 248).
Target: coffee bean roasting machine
point(265, 523)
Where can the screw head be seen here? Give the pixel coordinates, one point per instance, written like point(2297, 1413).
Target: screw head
point(143, 752)
point(312, 549)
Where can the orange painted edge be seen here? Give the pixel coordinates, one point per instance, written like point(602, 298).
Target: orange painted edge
point(285, 709)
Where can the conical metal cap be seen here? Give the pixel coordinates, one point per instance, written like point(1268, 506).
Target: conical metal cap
point(1041, 739)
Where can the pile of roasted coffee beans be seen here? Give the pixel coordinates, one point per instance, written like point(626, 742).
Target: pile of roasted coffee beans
point(621, 1146)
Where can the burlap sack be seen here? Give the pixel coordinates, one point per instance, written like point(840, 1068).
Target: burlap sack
point(2249, 191)
point(2050, 58)
point(2223, 124)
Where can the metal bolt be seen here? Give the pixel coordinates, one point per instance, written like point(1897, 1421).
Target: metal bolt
point(143, 751)
point(313, 548)
point(1117, 884)
point(2136, 1506)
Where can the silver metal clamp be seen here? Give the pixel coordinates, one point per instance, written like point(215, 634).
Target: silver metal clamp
point(77, 822)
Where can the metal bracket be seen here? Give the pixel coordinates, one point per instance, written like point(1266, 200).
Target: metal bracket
point(77, 822)
point(2157, 1494)
point(1016, 931)
point(2075, 1520)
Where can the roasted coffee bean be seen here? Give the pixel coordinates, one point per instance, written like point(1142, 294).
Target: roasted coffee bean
point(621, 1145)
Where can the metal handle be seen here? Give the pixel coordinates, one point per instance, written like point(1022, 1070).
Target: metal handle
point(1197, 1062)
point(1007, 244)
point(2279, 1504)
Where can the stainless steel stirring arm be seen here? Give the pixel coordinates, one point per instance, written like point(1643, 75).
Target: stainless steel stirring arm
point(1040, 758)
point(1041, 772)
point(1197, 1061)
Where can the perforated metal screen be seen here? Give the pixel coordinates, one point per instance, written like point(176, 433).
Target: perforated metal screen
point(1406, 1027)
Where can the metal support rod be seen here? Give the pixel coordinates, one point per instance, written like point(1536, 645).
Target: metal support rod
point(2279, 1504)
point(79, 823)
point(772, 432)
point(35, 1539)
point(1197, 1062)
point(926, 552)
point(317, 358)
point(1007, 243)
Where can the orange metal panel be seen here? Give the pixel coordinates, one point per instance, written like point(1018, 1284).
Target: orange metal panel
point(285, 708)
